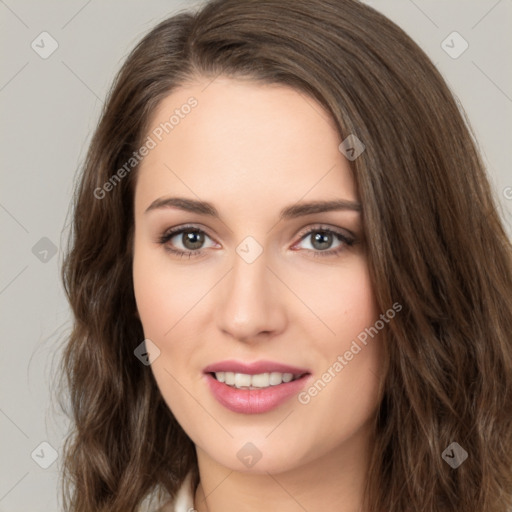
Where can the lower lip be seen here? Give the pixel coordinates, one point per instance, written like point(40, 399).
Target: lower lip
point(254, 401)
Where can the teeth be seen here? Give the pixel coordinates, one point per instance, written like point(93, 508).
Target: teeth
point(242, 380)
point(261, 380)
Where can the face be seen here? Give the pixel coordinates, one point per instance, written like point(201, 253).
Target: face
point(255, 288)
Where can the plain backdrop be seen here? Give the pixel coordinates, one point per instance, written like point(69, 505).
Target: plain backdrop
point(50, 107)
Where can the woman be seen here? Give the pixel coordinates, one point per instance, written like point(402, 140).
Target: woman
point(290, 284)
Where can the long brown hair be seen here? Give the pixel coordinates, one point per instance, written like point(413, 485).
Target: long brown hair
point(435, 244)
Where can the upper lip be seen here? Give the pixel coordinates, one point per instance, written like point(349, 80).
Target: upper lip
point(253, 368)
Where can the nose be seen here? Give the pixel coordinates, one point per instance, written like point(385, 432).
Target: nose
point(251, 302)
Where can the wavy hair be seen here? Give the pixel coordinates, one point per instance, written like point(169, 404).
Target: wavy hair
point(435, 244)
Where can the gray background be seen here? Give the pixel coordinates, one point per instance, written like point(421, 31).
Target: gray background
point(49, 109)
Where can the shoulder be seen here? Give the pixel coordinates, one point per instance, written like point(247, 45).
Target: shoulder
point(184, 499)
point(168, 506)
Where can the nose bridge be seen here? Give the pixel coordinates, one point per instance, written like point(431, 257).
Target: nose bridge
point(247, 279)
point(250, 303)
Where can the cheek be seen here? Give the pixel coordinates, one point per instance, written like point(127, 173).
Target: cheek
point(359, 315)
point(163, 299)
point(357, 303)
point(348, 307)
point(162, 296)
point(341, 298)
point(151, 298)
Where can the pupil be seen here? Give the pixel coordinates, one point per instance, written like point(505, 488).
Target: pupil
point(193, 240)
point(323, 239)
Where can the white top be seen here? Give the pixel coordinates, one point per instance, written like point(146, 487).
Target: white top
point(184, 500)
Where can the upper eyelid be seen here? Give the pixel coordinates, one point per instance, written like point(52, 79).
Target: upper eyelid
point(180, 229)
point(324, 227)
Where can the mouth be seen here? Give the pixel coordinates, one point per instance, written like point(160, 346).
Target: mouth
point(251, 388)
point(257, 381)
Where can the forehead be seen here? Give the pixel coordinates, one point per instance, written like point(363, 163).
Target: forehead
point(246, 142)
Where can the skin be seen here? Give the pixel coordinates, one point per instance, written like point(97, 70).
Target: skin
point(251, 150)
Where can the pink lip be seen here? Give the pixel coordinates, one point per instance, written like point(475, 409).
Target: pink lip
point(254, 401)
point(253, 368)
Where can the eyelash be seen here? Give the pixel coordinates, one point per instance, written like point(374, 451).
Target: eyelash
point(171, 233)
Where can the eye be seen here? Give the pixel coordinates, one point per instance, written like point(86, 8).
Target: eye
point(321, 240)
point(189, 241)
point(184, 241)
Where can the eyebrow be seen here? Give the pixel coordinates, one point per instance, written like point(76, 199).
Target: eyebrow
point(289, 212)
